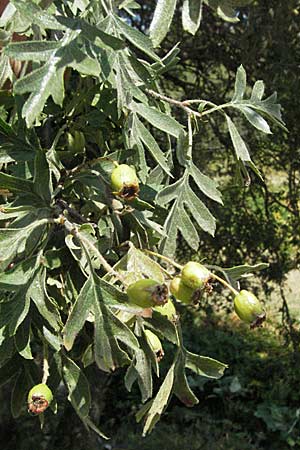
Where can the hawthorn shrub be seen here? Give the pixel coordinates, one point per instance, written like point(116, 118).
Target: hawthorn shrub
point(98, 181)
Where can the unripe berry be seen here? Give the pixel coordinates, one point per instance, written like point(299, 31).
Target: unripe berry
point(181, 291)
point(124, 182)
point(167, 310)
point(147, 293)
point(155, 344)
point(249, 309)
point(195, 275)
point(39, 398)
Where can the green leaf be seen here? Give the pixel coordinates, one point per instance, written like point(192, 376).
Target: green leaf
point(42, 182)
point(79, 313)
point(54, 340)
point(94, 34)
point(14, 184)
point(18, 395)
point(161, 325)
point(10, 369)
point(158, 119)
point(18, 275)
point(7, 346)
point(32, 50)
point(181, 387)
point(255, 119)
point(16, 241)
point(78, 387)
point(46, 80)
point(5, 128)
point(38, 294)
point(138, 39)
point(205, 184)
point(141, 265)
point(238, 142)
point(148, 140)
point(191, 15)
point(22, 340)
point(204, 366)
point(34, 14)
point(87, 421)
point(140, 370)
point(240, 84)
point(162, 19)
point(14, 311)
point(108, 330)
point(238, 271)
point(257, 91)
point(178, 220)
point(160, 402)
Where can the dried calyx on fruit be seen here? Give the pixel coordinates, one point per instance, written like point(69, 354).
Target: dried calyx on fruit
point(195, 275)
point(124, 182)
point(148, 293)
point(168, 310)
point(249, 309)
point(155, 344)
point(39, 398)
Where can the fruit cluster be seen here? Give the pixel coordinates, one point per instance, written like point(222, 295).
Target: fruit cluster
point(147, 293)
point(188, 288)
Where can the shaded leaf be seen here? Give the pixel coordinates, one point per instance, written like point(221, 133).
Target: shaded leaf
point(181, 387)
point(78, 387)
point(160, 402)
point(204, 366)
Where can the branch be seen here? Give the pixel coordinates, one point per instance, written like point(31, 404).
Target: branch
point(185, 104)
point(73, 229)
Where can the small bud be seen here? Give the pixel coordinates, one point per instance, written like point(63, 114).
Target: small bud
point(249, 309)
point(155, 344)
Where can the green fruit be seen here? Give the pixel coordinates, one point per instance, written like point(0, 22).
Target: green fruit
point(195, 275)
point(147, 293)
point(155, 344)
point(124, 182)
point(39, 398)
point(181, 291)
point(249, 309)
point(167, 310)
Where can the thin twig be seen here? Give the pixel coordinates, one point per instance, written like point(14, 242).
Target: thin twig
point(184, 104)
point(73, 229)
point(165, 258)
point(222, 281)
point(45, 363)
